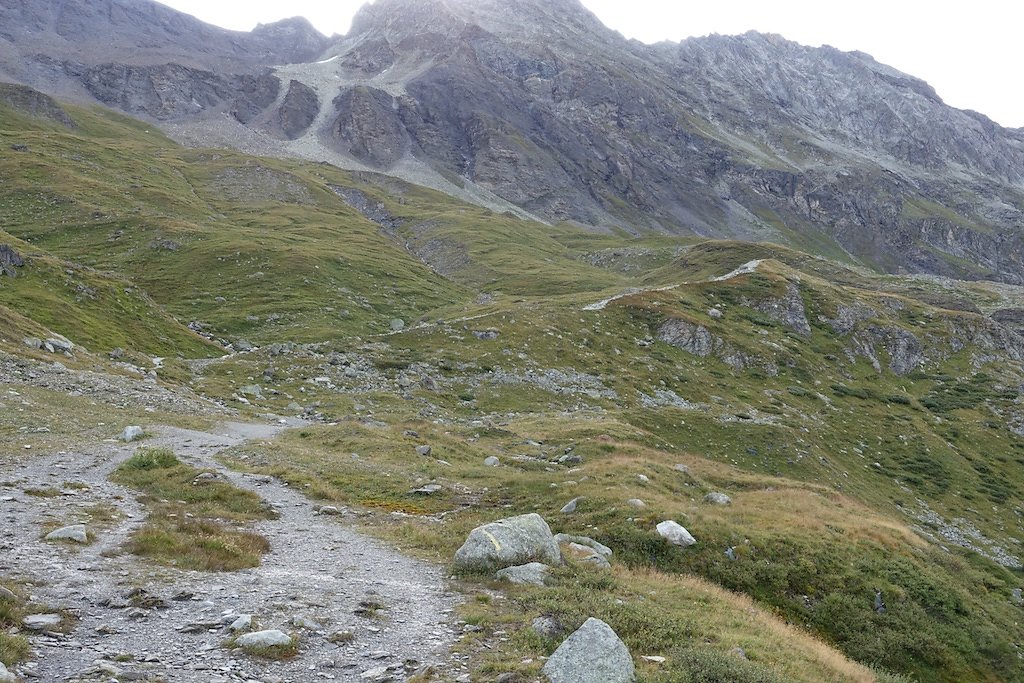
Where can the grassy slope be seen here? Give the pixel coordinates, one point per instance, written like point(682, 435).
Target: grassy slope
point(263, 250)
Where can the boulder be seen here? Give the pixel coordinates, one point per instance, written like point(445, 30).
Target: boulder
point(716, 498)
point(263, 639)
point(132, 433)
point(491, 461)
point(424, 450)
point(5, 675)
point(75, 532)
point(593, 654)
point(636, 503)
point(59, 345)
point(675, 534)
point(508, 542)
point(533, 573)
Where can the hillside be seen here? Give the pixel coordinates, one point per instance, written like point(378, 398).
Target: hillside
point(867, 429)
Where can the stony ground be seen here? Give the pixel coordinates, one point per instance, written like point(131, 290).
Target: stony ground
point(315, 580)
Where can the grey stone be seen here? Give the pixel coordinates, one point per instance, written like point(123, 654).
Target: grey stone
point(716, 498)
point(428, 490)
point(570, 507)
point(587, 554)
point(636, 503)
point(593, 654)
point(547, 627)
point(132, 433)
point(263, 639)
point(5, 675)
point(533, 573)
point(41, 622)
point(253, 390)
point(397, 324)
point(715, 314)
point(425, 451)
point(242, 623)
point(492, 461)
point(75, 532)
point(60, 345)
point(7, 595)
point(33, 343)
point(1017, 597)
point(602, 549)
point(508, 542)
point(676, 534)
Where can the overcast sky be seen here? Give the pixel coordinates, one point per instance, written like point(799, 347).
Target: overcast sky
point(971, 53)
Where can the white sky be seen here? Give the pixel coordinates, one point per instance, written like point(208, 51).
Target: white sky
point(971, 53)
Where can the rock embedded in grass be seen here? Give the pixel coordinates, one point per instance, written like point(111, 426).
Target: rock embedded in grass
point(593, 654)
point(5, 675)
point(570, 507)
point(534, 573)
point(676, 534)
point(492, 461)
point(716, 498)
point(75, 532)
point(508, 542)
point(424, 450)
point(261, 640)
point(602, 549)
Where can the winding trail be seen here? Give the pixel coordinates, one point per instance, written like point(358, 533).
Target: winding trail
point(319, 570)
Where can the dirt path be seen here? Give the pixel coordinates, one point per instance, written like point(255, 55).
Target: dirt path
point(318, 573)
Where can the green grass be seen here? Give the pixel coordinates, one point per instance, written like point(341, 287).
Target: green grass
point(199, 529)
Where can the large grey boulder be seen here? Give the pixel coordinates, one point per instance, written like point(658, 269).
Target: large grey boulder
point(508, 542)
point(75, 532)
point(593, 654)
point(263, 639)
point(676, 534)
point(5, 675)
point(533, 573)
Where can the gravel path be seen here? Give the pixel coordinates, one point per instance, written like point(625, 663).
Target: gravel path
point(319, 571)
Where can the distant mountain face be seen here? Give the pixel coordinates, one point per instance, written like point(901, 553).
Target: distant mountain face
point(536, 107)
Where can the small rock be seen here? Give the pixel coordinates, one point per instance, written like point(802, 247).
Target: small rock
point(59, 345)
point(676, 534)
point(5, 675)
point(397, 324)
point(75, 532)
point(486, 335)
point(715, 314)
point(547, 627)
point(657, 659)
point(263, 639)
point(533, 573)
point(1017, 597)
point(425, 451)
point(304, 622)
point(587, 554)
point(593, 654)
point(570, 507)
point(242, 623)
point(637, 503)
point(328, 510)
point(42, 622)
point(716, 498)
point(584, 540)
point(428, 490)
point(643, 478)
point(33, 343)
point(132, 433)
point(491, 461)
point(7, 595)
point(682, 468)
